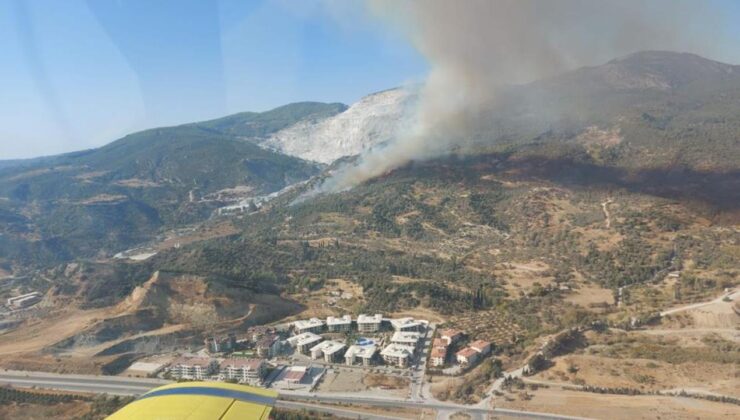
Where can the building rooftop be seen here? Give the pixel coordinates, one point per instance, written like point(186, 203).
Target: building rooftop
point(439, 343)
point(193, 361)
point(406, 337)
point(370, 319)
point(438, 352)
point(295, 373)
point(467, 352)
point(406, 322)
point(304, 338)
point(363, 352)
point(344, 320)
point(479, 344)
point(308, 323)
point(328, 347)
point(450, 333)
point(250, 364)
point(397, 350)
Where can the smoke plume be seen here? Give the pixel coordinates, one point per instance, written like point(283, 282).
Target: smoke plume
point(476, 47)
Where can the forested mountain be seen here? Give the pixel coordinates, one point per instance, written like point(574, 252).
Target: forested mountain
point(101, 201)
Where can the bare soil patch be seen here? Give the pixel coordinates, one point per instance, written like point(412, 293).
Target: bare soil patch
point(602, 406)
point(590, 294)
point(35, 334)
point(378, 380)
point(348, 380)
point(643, 374)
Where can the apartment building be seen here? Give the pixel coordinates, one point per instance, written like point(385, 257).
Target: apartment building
point(267, 346)
point(364, 355)
point(369, 323)
point(305, 341)
point(194, 368)
point(397, 354)
point(408, 324)
point(467, 356)
point(409, 338)
point(451, 336)
point(248, 371)
point(313, 325)
point(330, 351)
point(481, 346)
point(221, 344)
point(438, 356)
point(342, 324)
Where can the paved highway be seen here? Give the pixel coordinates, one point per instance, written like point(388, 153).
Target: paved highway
point(135, 386)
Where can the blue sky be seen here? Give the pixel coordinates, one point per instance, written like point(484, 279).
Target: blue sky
point(77, 74)
point(83, 74)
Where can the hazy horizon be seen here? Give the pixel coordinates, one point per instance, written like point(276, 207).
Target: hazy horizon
point(78, 77)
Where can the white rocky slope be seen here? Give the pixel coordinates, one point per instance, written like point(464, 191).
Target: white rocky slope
point(371, 121)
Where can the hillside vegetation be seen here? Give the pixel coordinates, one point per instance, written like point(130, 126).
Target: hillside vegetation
point(102, 201)
point(549, 220)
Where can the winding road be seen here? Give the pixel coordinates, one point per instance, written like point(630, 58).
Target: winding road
point(607, 215)
point(731, 295)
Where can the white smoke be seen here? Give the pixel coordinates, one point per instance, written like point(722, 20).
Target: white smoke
point(476, 47)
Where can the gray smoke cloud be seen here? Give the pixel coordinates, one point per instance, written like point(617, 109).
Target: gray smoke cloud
point(477, 47)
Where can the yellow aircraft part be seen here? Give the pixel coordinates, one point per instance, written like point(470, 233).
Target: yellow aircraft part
point(200, 401)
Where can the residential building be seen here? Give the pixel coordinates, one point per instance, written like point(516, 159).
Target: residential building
point(369, 323)
point(397, 354)
point(268, 346)
point(451, 336)
point(194, 367)
point(467, 356)
point(438, 356)
point(408, 324)
point(313, 325)
point(330, 351)
point(481, 346)
point(440, 343)
point(222, 344)
point(248, 371)
point(255, 333)
point(364, 355)
point(303, 342)
point(410, 338)
point(343, 324)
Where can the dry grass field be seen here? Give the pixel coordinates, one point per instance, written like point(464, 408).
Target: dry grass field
point(618, 407)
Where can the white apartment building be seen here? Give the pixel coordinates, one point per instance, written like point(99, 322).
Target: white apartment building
point(369, 323)
point(303, 342)
point(410, 338)
point(364, 355)
point(343, 324)
point(313, 325)
point(194, 367)
point(330, 351)
point(248, 371)
point(397, 354)
point(408, 324)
